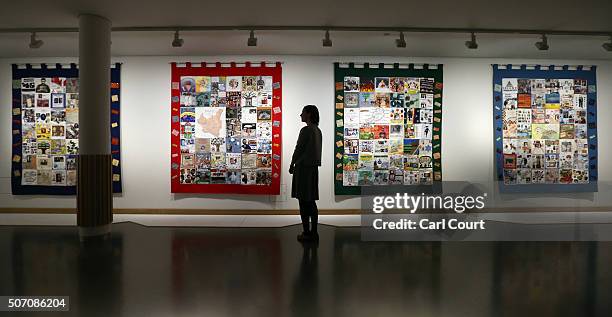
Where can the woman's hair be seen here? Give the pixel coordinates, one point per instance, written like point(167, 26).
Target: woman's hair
point(313, 112)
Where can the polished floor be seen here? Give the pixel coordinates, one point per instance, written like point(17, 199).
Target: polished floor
point(172, 271)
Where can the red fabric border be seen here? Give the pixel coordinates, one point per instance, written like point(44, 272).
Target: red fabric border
point(218, 70)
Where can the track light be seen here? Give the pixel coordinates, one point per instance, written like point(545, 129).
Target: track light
point(177, 42)
point(471, 44)
point(327, 42)
point(608, 46)
point(252, 41)
point(401, 42)
point(543, 44)
point(35, 43)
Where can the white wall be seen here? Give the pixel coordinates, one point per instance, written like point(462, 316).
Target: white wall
point(467, 137)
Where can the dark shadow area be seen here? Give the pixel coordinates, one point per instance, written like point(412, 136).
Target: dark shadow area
point(51, 262)
point(305, 295)
point(167, 271)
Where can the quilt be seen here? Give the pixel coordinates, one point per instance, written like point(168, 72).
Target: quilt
point(545, 128)
point(388, 124)
point(226, 128)
point(46, 129)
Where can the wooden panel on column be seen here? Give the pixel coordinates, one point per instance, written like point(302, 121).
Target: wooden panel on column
point(94, 190)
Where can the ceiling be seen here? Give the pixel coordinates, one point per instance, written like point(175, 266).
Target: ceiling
point(556, 15)
point(586, 15)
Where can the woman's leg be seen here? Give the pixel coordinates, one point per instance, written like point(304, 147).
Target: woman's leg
point(304, 212)
point(314, 216)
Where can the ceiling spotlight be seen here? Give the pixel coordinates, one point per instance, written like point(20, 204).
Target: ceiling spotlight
point(252, 41)
point(35, 43)
point(401, 42)
point(327, 42)
point(608, 46)
point(543, 44)
point(471, 44)
point(177, 42)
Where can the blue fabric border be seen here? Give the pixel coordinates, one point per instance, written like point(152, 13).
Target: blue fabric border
point(59, 71)
point(536, 72)
point(116, 132)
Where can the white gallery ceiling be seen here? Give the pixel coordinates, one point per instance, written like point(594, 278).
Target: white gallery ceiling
point(560, 15)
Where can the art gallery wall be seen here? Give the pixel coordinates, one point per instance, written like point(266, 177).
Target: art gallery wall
point(467, 132)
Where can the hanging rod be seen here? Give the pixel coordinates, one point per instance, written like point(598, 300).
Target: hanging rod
point(318, 28)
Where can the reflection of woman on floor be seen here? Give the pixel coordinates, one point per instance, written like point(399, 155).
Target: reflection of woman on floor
point(305, 169)
point(305, 296)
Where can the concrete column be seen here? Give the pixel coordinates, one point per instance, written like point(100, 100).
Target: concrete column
point(94, 187)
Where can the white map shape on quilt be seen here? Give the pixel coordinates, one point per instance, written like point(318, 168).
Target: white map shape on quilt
point(210, 122)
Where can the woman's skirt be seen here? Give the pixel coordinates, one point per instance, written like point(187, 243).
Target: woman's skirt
point(305, 184)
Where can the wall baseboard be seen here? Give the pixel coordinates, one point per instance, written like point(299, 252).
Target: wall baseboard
point(242, 212)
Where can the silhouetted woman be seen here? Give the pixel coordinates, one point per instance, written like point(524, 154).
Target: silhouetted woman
point(305, 169)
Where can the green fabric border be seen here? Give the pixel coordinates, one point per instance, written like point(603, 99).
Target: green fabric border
point(381, 71)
